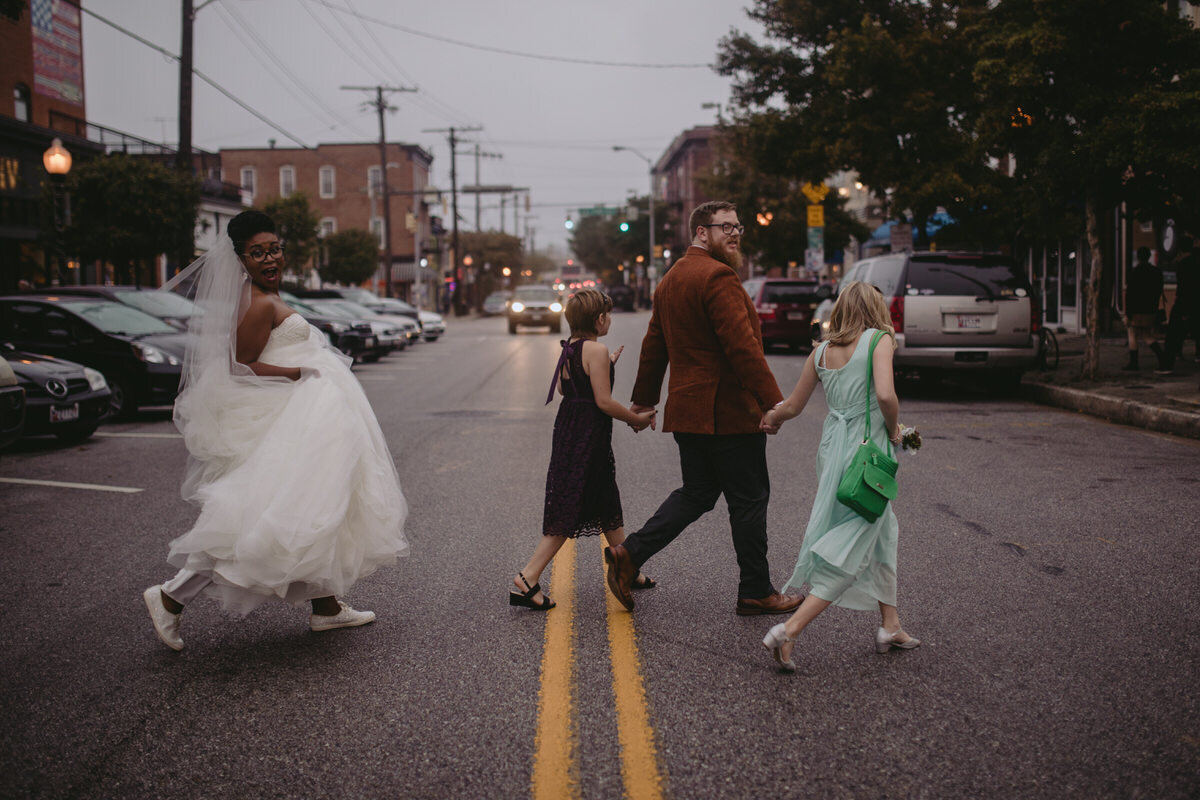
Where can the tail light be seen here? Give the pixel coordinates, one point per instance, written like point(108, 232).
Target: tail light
point(1035, 316)
point(766, 311)
point(897, 310)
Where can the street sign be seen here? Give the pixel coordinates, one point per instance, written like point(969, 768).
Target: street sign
point(816, 238)
point(814, 259)
point(901, 238)
point(816, 216)
point(814, 192)
point(598, 211)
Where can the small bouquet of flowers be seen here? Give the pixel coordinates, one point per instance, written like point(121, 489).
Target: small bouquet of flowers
point(910, 438)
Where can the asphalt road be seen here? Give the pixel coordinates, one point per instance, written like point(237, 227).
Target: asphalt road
point(1048, 561)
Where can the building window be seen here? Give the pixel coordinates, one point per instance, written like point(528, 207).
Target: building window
point(248, 180)
point(287, 181)
point(374, 181)
point(377, 229)
point(21, 102)
point(328, 187)
point(328, 227)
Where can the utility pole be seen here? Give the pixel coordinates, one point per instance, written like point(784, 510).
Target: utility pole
point(380, 105)
point(456, 258)
point(183, 156)
point(480, 154)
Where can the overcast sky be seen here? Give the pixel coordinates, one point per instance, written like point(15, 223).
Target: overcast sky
point(553, 121)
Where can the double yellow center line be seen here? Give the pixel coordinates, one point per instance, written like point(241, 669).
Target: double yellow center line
point(555, 763)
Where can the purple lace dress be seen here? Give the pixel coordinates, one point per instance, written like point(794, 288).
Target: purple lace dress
point(581, 485)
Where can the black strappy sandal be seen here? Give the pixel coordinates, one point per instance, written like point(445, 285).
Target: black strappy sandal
point(647, 582)
point(526, 600)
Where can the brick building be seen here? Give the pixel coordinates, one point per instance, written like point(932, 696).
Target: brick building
point(343, 184)
point(677, 180)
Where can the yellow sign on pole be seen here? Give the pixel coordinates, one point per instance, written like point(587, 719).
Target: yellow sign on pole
point(814, 192)
point(816, 216)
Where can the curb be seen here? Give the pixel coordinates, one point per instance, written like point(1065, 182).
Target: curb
point(1116, 409)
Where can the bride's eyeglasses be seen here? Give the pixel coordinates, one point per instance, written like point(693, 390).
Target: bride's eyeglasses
point(259, 255)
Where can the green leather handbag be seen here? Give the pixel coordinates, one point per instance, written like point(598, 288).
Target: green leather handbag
point(869, 483)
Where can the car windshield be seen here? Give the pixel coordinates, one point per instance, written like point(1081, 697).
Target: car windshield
point(330, 308)
point(789, 293)
point(392, 304)
point(361, 312)
point(978, 276)
point(543, 293)
point(117, 318)
point(359, 295)
point(159, 304)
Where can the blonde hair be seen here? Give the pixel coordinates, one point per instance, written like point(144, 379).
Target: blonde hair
point(859, 306)
point(584, 308)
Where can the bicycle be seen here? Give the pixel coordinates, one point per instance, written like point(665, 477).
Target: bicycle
point(1047, 357)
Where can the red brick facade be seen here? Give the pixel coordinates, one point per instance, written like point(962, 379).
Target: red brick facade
point(17, 71)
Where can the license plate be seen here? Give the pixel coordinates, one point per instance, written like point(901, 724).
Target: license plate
point(800, 315)
point(64, 414)
point(370, 341)
point(536, 317)
point(969, 323)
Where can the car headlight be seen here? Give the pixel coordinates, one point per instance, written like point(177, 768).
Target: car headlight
point(152, 355)
point(95, 379)
point(517, 306)
point(556, 307)
point(336, 327)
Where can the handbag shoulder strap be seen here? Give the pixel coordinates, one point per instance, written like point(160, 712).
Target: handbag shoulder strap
point(870, 372)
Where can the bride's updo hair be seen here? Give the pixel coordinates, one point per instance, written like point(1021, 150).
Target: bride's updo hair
point(246, 225)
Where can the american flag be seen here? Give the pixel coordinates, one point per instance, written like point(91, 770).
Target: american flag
point(41, 13)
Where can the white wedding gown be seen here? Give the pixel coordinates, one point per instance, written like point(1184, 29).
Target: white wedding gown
point(299, 496)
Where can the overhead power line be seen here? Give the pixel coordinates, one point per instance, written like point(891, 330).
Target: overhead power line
point(504, 51)
point(195, 72)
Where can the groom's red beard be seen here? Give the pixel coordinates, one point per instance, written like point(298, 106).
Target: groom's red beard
point(727, 253)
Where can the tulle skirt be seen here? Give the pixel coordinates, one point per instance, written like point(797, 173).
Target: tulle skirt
point(298, 493)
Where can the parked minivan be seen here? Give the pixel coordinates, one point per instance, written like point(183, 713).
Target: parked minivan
point(956, 311)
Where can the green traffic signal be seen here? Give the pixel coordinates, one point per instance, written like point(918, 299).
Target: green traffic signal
point(624, 227)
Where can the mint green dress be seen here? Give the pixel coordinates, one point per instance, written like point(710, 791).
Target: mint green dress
point(844, 558)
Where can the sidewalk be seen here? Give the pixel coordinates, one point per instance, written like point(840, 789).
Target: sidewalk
point(1164, 403)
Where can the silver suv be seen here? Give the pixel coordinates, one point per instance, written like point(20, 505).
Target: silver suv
point(957, 311)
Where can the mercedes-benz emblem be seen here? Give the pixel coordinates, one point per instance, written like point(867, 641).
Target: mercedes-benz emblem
point(56, 387)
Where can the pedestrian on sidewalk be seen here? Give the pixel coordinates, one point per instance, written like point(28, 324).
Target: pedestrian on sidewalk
point(1143, 296)
point(1185, 313)
point(582, 498)
point(298, 494)
point(846, 559)
point(704, 325)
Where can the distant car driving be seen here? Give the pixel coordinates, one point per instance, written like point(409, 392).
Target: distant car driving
point(535, 305)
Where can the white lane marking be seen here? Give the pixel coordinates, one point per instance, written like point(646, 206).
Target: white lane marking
point(65, 485)
point(134, 435)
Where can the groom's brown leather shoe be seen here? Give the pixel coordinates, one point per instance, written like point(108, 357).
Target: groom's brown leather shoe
point(621, 574)
point(771, 604)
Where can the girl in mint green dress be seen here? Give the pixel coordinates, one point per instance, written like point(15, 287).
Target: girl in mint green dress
point(845, 559)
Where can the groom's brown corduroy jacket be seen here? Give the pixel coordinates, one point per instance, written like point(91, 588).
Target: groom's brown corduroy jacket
point(704, 325)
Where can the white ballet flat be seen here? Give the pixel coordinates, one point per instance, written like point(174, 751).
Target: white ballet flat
point(885, 641)
point(774, 641)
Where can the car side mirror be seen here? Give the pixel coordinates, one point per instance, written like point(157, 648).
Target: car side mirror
point(824, 292)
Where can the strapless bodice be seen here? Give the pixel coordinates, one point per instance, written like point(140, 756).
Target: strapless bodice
point(292, 330)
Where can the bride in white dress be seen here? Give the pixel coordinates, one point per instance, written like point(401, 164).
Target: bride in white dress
point(299, 496)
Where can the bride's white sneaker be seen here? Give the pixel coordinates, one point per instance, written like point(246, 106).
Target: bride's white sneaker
point(346, 618)
point(885, 641)
point(166, 624)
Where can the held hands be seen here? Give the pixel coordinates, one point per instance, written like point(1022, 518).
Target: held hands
point(770, 424)
point(645, 414)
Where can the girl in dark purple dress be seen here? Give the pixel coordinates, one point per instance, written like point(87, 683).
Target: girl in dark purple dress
point(581, 485)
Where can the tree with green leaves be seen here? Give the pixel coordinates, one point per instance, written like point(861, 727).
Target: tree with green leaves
point(491, 252)
point(127, 211)
point(1099, 103)
point(352, 256)
point(299, 226)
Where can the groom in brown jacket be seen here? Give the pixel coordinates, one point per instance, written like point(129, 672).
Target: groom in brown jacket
point(705, 326)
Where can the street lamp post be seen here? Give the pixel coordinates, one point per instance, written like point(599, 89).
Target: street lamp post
point(57, 162)
point(650, 165)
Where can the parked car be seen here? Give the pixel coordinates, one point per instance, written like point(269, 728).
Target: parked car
point(351, 338)
point(409, 328)
point(433, 325)
point(140, 356)
point(12, 405)
point(785, 309)
point(173, 309)
point(62, 398)
point(535, 305)
point(957, 312)
point(622, 296)
point(496, 303)
point(387, 336)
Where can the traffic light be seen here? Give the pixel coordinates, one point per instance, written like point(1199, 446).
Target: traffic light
point(624, 227)
point(569, 224)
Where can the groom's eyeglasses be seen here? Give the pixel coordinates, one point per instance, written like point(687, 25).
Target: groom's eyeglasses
point(259, 255)
point(727, 228)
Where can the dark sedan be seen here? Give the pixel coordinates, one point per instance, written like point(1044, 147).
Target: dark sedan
point(171, 308)
point(62, 398)
point(140, 356)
